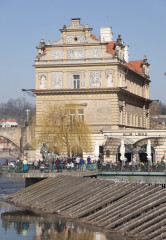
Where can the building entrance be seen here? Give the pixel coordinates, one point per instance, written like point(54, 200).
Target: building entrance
point(143, 155)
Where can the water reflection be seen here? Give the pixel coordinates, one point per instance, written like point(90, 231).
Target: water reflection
point(39, 227)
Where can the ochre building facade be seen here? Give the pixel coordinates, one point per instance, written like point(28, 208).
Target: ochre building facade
point(95, 73)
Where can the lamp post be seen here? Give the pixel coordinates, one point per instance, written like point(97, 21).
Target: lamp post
point(27, 111)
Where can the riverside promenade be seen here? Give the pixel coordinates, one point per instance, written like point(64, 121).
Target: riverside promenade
point(137, 210)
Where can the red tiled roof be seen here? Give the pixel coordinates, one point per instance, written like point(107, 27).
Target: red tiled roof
point(135, 65)
point(132, 65)
point(110, 47)
point(94, 37)
point(7, 120)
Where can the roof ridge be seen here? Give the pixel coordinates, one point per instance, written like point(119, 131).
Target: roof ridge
point(136, 60)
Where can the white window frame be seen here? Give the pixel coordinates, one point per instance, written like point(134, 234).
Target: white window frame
point(76, 81)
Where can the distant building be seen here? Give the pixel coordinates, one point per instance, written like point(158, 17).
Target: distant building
point(5, 123)
point(158, 122)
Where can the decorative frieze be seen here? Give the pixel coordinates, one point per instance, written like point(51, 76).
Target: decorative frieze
point(83, 80)
point(95, 53)
point(42, 78)
point(95, 61)
point(75, 54)
point(59, 42)
point(75, 38)
point(108, 55)
point(56, 62)
point(75, 25)
point(56, 54)
point(95, 79)
point(42, 62)
point(91, 40)
point(109, 60)
point(75, 61)
point(44, 57)
point(109, 77)
point(69, 83)
point(56, 80)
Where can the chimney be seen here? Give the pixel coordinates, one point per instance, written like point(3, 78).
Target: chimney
point(105, 34)
point(126, 53)
point(75, 20)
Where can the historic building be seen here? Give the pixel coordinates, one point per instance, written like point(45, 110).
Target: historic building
point(95, 73)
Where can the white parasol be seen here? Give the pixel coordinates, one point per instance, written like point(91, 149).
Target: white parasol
point(122, 151)
point(148, 151)
point(96, 150)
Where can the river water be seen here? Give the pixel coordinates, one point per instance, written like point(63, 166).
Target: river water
point(18, 224)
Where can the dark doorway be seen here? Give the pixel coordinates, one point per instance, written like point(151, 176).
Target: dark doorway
point(143, 154)
point(128, 153)
point(143, 157)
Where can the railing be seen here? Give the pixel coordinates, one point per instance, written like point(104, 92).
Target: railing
point(104, 167)
point(132, 168)
point(59, 168)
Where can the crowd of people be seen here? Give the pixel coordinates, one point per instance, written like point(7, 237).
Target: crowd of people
point(79, 163)
point(133, 166)
point(59, 164)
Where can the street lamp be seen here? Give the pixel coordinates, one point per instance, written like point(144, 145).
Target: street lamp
point(27, 111)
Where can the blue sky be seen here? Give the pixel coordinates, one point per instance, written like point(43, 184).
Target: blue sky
point(142, 25)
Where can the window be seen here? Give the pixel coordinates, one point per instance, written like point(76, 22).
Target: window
point(81, 114)
point(72, 115)
point(121, 117)
point(133, 123)
point(76, 113)
point(131, 119)
point(107, 153)
point(76, 81)
point(126, 118)
point(140, 121)
point(136, 120)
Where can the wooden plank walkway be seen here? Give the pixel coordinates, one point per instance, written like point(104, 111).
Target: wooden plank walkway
point(135, 209)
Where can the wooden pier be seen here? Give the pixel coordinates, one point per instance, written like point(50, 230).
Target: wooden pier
point(139, 210)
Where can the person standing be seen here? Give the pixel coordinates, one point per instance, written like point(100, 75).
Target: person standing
point(88, 160)
point(77, 161)
point(25, 166)
point(82, 163)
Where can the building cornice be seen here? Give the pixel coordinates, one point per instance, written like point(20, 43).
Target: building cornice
point(49, 65)
point(74, 65)
point(87, 91)
point(52, 45)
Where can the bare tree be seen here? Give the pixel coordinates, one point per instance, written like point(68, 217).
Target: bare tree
point(15, 108)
